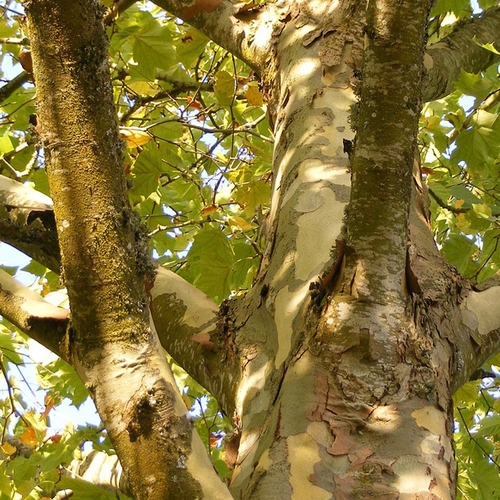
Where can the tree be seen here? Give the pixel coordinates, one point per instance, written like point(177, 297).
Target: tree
point(335, 332)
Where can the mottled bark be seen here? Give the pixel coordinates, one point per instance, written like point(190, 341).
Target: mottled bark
point(340, 396)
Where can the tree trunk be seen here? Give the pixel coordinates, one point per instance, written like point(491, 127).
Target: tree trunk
point(346, 396)
point(105, 260)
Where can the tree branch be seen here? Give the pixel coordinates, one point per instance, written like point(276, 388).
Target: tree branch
point(27, 222)
point(36, 317)
point(481, 316)
point(185, 319)
point(461, 50)
point(116, 9)
point(9, 88)
point(245, 33)
point(468, 319)
point(187, 324)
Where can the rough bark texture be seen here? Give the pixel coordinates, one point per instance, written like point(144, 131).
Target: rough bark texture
point(340, 363)
point(104, 257)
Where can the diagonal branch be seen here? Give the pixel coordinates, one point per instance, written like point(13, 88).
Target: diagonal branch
point(27, 222)
point(36, 317)
point(17, 82)
point(461, 50)
point(245, 33)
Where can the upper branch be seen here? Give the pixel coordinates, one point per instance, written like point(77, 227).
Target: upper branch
point(27, 222)
point(461, 50)
point(246, 34)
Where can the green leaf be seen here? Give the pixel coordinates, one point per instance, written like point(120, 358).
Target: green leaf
point(456, 6)
point(190, 46)
point(474, 84)
point(154, 48)
point(460, 192)
point(10, 344)
point(489, 426)
point(224, 88)
point(479, 143)
point(491, 48)
point(210, 260)
point(62, 381)
point(458, 250)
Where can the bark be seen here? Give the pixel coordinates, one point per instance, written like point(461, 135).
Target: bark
point(103, 253)
point(243, 32)
point(340, 363)
point(27, 222)
point(33, 315)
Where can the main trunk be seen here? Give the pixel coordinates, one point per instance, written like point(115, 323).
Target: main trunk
point(343, 397)
point(105, 259)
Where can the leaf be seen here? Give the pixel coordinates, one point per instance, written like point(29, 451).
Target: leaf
point(191, 46)
point(6, 145)
point(462, 193)
point(479, 143)
point(154, 48)
point(26, 61)
point(210, 261)
point(135, 136)
point(209, 210)
point(8, 449)
point(29, 437)
point(9, 346)
point(482, 210)
point(474, 84)
point(488, 46)
point(458, 250)
point(224, 88)
point(254, 95)
point(63, 382)
point(239, 223)
point(252, 194)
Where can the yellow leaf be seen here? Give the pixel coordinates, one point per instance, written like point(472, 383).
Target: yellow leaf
point(135, 136)
point(187, 400)
point(209, 210)
point(254, 95)
point(462, 223)
point(239, 223)
point(29, 437)
point(8, 449)
point(482, 210)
